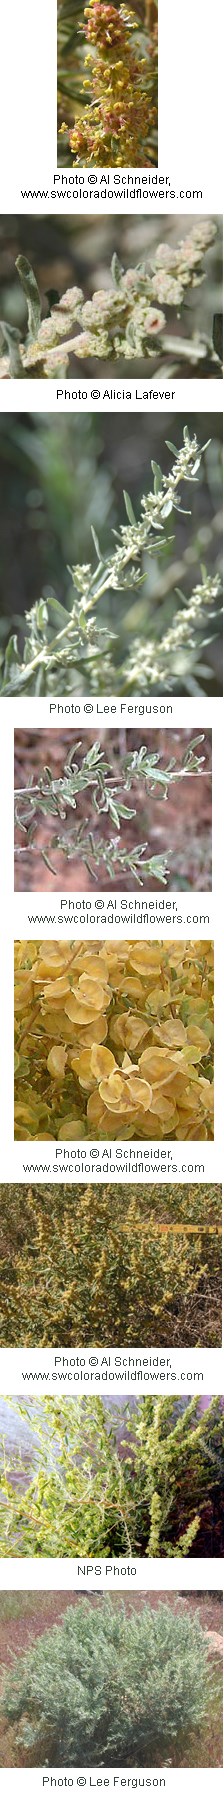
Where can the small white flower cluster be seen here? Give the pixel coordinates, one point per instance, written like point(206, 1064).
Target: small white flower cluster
point(80, 653)
point(155, 509)
point(120, 322)
point(178, 653)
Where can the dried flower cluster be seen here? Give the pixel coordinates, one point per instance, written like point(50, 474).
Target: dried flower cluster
point(66, 649)
point(114, 1035)
point(122, 321)
point(119, 125)
point(55, 797)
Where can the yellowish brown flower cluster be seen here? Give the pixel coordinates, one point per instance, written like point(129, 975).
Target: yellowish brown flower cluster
point(119, 126)
point(114, 1035)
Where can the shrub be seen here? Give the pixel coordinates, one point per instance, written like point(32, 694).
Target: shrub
point(96, 1266)
point(127, 1484)
point(102, 1688)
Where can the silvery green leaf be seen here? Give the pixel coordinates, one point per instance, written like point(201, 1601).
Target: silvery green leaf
point(57, 610)
point(42, 614)
point(96, 543)
point(129, 508)
point(114, 814)
point(218, 335)
point(126, 813)
point(94, 754)
point(47, 861)
point(170, 447)
point(31, 291)
point(11, 337)
point(116, 270)
point(167, 509)
point(158, 479)
point(197, 741)
point(12, 662)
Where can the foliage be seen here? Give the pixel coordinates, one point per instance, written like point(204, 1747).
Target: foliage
point(114, 1034)
point(98, 1491)
point(94, 1266)
point(122, 321)
point(65, 471)
point(52, 796)
point(99, 1688)
point(118, 126)
point(64, 644)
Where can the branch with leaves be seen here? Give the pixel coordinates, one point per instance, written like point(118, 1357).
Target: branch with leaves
point(55, 797)
point(125, 321)
point(104, 1482)
point(67, 648)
